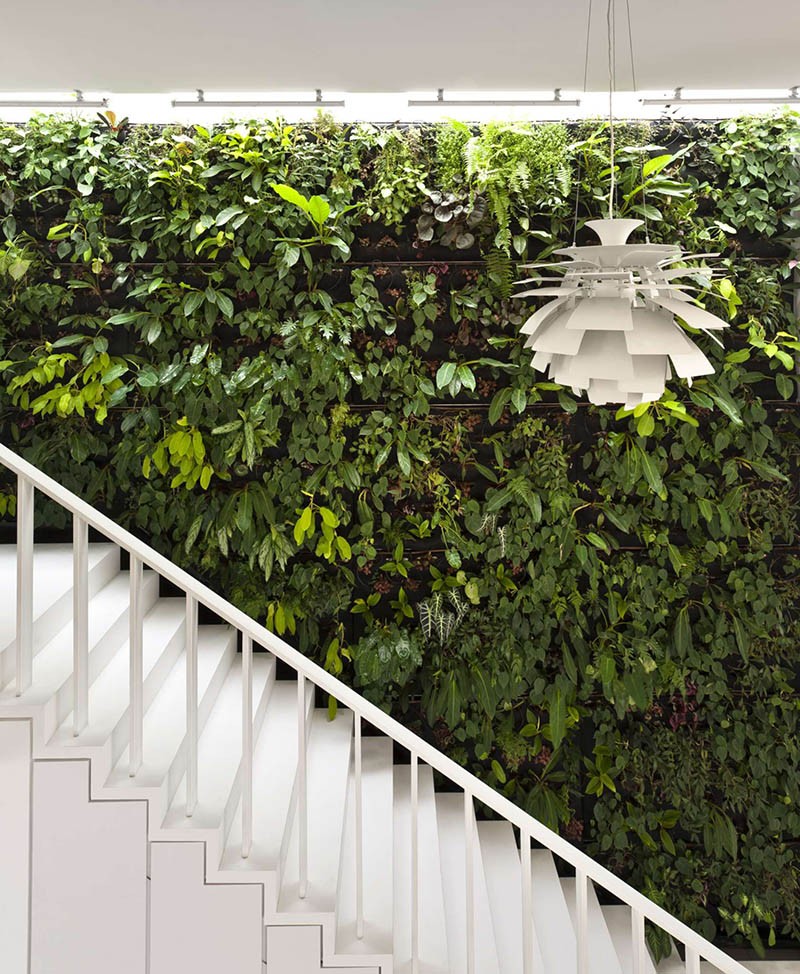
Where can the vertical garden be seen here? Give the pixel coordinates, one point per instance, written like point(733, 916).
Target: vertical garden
point(288, 358)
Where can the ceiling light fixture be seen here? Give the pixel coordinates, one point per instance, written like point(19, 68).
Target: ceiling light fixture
point(678, 99)
point(78, 101)
point(611, 332)
point(202, 102)
point(441, 102)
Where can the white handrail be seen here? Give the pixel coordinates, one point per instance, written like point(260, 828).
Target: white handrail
point(696, 945)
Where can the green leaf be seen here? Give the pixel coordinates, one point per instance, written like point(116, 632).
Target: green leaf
point(645, 424)
point(444, 376)
point(302, 525)
point(651, 473)
point(318, 209)
point(558, 717)
point(498, 772)
point(403, 459)
point(228, 214)
point(682, 632)
point(290, 195)
point(225, 304)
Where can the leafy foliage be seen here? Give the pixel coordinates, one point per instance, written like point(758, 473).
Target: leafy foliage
point(261, 347)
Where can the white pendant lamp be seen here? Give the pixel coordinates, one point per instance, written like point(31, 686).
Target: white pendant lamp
point(614, 330)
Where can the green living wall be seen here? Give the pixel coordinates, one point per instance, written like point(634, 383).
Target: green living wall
point(287, 357)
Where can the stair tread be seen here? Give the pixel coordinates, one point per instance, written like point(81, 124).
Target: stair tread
point(274, 771)
point(108, 694)
point(601, 946)
point(452, 849)
point(433, 957)
point(377, 783)
point(618, 922)
point(329, 749)
point(52, 581)
point(165, 720)
point(503, 869)
point(555, 934)
point(219, 749)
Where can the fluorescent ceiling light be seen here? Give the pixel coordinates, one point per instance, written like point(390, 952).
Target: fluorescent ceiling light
point(78, 101)
point(202, 102)
point(743, 98)
point(440, 101)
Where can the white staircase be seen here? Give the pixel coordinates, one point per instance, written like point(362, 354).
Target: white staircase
point(191, 812)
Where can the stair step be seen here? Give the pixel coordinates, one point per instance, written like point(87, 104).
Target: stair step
point(52, 593)
point(219, 749)
point(603, 954)
point(377, 784)
point(162, 644)
point(433, 958)
point(452, 849)
point(551, 918)
point(618, 922)
point(329, 749)
point(274, 774)
point(503, 869)
point(164, 736)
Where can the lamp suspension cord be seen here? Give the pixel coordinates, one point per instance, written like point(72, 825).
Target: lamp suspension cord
point(642, 154)
point(611, 30)
point(585, 86)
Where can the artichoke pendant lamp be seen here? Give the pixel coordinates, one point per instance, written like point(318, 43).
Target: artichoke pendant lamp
point(613, 329)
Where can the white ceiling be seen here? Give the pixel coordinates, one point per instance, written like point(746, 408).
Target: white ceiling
point(375, 45)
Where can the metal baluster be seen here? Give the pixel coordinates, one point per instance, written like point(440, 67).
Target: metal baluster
point(582, 914)
point(469, 880)
point(247, 745)
point(136, 683)
point(527, 903)
point(191, 704)
point(24, 660)
point(359, 833)
point(302, 796)
point(414, 864)
point(637, 939)
point(692, 961)
point(80, 625)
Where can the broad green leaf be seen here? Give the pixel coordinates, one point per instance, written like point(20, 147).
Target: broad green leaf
point(290, 195)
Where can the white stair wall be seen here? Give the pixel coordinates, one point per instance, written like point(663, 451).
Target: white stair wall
point(196, 926)
point(88, 878)
point(15, 821)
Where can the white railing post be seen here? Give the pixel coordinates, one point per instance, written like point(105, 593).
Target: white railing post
point(527, 903)
point(359, 832)
point(247, 745)
point(582, 915)
point(136, 680)
point(637, 939)
point(302, 784)
point(24, 634)
point(415, 899)
point(191, 704)
point(469, 880)
point(80, 624)
point(692, 960)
